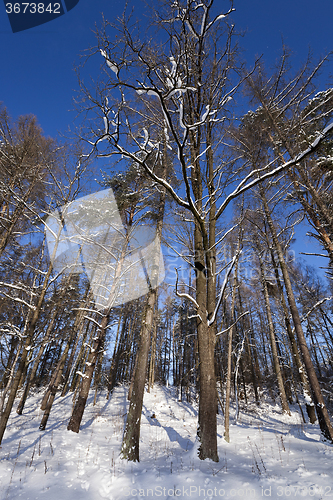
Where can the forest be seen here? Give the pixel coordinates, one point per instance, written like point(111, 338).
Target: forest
point(223, 166)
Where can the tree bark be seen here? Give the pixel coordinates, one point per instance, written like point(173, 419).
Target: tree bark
point(59, 371)
point(207, 423)
point(14, 345)
point(75, 420)
point(151, 376)
point(130, 444)
point(54, 386)
point(82, 355)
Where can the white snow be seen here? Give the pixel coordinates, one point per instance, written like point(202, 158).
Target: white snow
point(269, 454)
point(106, 125)
point(82, 374)
point(111, 65)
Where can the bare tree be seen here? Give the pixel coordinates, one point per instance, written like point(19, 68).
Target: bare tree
point(26, 157)
point(291, 114)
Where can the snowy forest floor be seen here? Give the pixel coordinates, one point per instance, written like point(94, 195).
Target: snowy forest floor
point(269, 454)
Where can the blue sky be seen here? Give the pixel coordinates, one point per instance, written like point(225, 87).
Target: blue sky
point(36, 65)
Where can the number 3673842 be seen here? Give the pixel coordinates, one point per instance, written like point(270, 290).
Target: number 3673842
point(32, 8)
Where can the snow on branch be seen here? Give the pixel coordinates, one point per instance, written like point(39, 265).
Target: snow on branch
point(17, 299)
point(82, 374)
point(23, 289)
point(87, 310)
point(184, 295)
point(226, 234)
point(160, 180)
point(93, 320)
point(244, 185)
point(194, 316)
point(231, 326)
point(111, 65)
point(223, 287)
point(219, 17)
point(315, 254)
point(319, 303)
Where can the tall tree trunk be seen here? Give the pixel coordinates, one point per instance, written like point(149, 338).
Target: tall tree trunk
point(47, 393)
point(82, 355)
point(254, 351)
point(151, 377)
point(205, 248)
point(130, 444)
point(276, 364)
point(60, 368)
point(77, 328)
point(207, 423)
point(229, 360)
point(10, 379)
point(14, 343)
point(314, 348)
point(207, 431)
point(75, 420)
point(55, 384)
point(98, 372)
point(248, 348)
point(131, 438)
point(70, 365)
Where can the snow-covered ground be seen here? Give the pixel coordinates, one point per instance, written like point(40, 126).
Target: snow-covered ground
point(269, 455)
